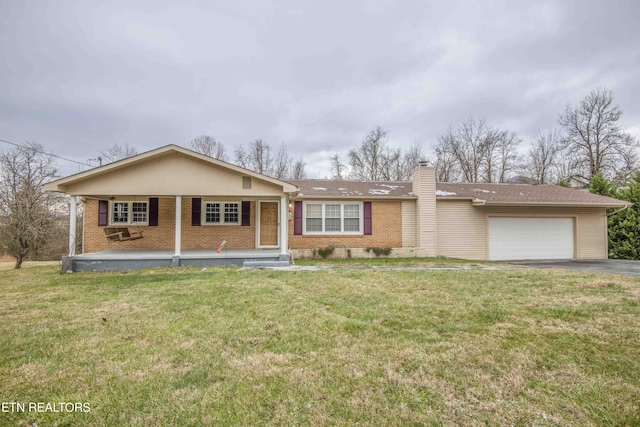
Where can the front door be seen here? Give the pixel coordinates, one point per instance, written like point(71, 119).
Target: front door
point(268, 223)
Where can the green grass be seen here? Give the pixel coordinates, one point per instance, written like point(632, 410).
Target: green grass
point(330, 347)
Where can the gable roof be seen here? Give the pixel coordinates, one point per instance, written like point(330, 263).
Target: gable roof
point(331, 188)
point(523, 194)
point(62, 184)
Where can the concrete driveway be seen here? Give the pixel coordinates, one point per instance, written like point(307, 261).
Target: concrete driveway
point(611, 266)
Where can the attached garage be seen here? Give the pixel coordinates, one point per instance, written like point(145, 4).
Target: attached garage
point(516, 238)
point(505, 222)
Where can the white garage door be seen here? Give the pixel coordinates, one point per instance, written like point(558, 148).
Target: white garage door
point(530, 238)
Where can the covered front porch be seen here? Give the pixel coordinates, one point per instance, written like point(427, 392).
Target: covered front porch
point(175, 207)
point(179, 231)
point(133, 259)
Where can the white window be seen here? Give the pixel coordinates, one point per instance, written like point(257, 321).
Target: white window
point(313, 218)
point(221, 213)
point(212, 213)
point(126, 213)
point(139, 212)
point(332, 218)
point(352, 218)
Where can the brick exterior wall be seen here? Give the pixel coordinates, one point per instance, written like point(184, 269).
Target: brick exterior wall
point(386, 231)
point(210, 236)
point(162, 236)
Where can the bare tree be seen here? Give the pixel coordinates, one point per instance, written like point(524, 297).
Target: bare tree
point(374, 160)
point(476, 152)
point(257, 157)
point(409, 161)
point(628, 164)
point(508, 158)
point(298, 170)
point(116, 152)
point(469, 146)
point(391, 167)
point(368, 161)
point(281, 163)
point(207, 145)
point(543, 160)
point(593, 134)
point(338, 169)
point(568, 169)
point(445, 163)
point(260, 157)
point(27, 213)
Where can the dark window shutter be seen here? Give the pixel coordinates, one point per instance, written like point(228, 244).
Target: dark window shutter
point(297, 217)
point(153, 211)
point(103, 213)
point(368, 228)
point(246, 213)
point(196, 210)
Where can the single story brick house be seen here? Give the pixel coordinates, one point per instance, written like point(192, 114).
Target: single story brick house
point(173, 206)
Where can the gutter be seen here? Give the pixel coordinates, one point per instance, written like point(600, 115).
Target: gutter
point(555, 204)
point(354, 197)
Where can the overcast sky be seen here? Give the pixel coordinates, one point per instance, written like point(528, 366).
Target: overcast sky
point(79, 76)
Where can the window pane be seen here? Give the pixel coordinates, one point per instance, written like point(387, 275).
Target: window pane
point(231, 212)
point(352, 211)
point(332, 211)
point(212, 212)
point(351, 224)
point(314, 211)
point(139, 210)
point(332, 225)
point(120, 212)
point(314, 224)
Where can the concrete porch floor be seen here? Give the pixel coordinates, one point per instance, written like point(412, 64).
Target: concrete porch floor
point(132, 259)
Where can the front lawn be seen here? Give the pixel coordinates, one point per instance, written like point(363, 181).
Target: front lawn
point(374, 347)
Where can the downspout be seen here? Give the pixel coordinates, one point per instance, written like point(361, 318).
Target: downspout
point(84, 222)
point(618, 211)
point(290, 196)
point(73, 217)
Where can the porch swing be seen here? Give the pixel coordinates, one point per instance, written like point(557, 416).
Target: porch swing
point(122, 234)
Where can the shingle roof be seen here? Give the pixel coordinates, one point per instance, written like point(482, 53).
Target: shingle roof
point(329, 188)
point(509, 194)
point(524, 194)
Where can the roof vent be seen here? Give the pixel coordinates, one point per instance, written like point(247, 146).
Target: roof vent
point(246, 182)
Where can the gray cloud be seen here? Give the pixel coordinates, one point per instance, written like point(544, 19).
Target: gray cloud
point(79, 76)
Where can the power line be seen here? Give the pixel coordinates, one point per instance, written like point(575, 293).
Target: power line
point(46, 154)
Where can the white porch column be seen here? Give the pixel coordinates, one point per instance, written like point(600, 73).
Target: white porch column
point(73, 215)
point(284, 224)
point(178, 237)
